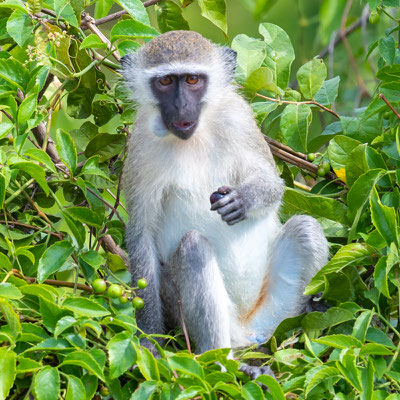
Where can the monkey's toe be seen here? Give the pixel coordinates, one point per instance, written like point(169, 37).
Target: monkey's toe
point(254, 372)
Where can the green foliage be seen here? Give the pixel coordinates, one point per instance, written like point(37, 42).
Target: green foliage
point(63, 129)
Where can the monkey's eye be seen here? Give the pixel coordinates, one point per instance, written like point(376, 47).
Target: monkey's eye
point(166, 80)
point(192, 79)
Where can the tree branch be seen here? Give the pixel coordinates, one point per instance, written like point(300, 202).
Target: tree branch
point(381, 96)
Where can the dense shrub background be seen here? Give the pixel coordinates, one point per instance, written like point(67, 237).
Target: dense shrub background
point(65, 117)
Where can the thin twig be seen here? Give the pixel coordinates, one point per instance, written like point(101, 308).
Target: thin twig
point(184, 326)
point(381, 96)
point(90, 23)
point(116, 15)
point(58, 235)
point(298, 103)
point(52, 282)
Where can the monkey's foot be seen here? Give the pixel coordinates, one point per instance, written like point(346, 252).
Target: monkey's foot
point(254, 372)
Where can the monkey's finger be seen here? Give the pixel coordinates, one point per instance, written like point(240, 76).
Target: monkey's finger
point(224, 189)
point(235, 221)
point(228, 198)
point(229, 208)
point(233, 215)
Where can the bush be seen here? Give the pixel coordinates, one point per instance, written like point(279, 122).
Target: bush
point(62, 217)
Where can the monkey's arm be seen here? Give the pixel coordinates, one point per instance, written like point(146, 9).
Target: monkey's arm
point(261, 188)
point(144, 263)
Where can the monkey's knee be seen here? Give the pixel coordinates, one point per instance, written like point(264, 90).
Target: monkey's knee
point(306, 234)
point(194, 252)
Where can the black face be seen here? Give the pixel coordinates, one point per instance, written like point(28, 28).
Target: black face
point(180, 101)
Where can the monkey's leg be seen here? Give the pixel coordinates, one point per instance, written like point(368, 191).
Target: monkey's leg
point(299, 252)
point(197, 282)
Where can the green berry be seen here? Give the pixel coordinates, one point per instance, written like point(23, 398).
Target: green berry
point(114, 291)
point(104, 391)
point(141, 283)
point(321, 171)
point(327, 167)
point(311, 157)
point(99, 285)
point(123, 299)
point(138, 303)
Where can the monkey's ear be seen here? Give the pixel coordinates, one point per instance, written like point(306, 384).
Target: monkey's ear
point(128, 61)
point(230, 57)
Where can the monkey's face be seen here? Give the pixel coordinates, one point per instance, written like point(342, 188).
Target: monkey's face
point(180, 101)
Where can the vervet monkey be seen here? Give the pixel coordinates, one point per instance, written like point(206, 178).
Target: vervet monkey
point(237, 271)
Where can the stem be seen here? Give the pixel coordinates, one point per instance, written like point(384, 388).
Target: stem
point(381, 96)
point(19, 190)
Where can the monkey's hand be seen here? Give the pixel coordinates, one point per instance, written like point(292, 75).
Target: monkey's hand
point(231, 205)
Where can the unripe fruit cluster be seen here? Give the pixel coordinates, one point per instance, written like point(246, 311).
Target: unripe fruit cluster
point(323, 168)
point(114, 291)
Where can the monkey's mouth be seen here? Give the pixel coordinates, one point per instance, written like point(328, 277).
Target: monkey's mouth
point(183, 125)
point(183, 129)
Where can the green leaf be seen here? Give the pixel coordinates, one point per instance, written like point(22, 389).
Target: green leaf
point(186, 365)
point(121, 354)
point(361, 325)
point(339, 341)
point(4, 260)
point(77, 229)
point(5, 127)
point(311, 76)
point(130, 28)
point(11, 318)
point(338, 150)
point(63, 324)
point(85, 307)
point(85, 215)
point(319, 374)
point(64, 9)
point(251, 391)
point(105, 145)
point(367, 381)
point(102, 8)
point(147, 364)
point(42, 157)
point(66, 150)
point(387, 49)
point(328, 92)
point(295, 121)
point(20, 27)
point(75, 389)
point(273, 386)
point(356, 164)
point(317, 320)
point(7, 368)
point(384, 218)
point(352, 253)
point(53, 259)
point(13, 72)
point(92, 41)
point(27, 365)
point(260, 79)
point(144, 391)
point(296, 202)
point(214, 11)
point(46, 384)
point(279, 52)
point(136, 9)
point(350, 371)
point(78, 6)
point(170, 17)
point(91, 167)
point(85, 360)
point(250, 55)
point(35, 171)
point(79, 103)
point(26, 109)
point(9, 291)
point(380, 277)
point(50, 312)
point(376, 349)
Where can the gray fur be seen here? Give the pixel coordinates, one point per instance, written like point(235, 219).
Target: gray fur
point(201, 256)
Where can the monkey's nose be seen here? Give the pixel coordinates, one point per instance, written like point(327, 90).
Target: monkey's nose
point(183, 125)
